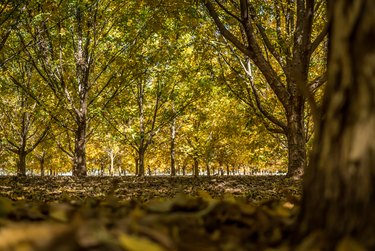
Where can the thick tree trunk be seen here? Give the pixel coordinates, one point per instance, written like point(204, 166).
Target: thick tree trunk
point(296, 139)
point(196, 167)
point(141, 162)
point(21, 164)
point(42, 160)
point(339, 185)
point(79, 168)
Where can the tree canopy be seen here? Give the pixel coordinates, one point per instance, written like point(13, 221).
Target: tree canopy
point(151, 87)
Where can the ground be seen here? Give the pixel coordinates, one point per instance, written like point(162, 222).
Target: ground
point(148, 214)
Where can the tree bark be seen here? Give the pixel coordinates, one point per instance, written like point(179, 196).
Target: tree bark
point(196, 167)
point(79, 168)
point(339, 185)
point(21, 164)
point(42, 162)
point(172, 147)
point(141, 162)
point(296, 138)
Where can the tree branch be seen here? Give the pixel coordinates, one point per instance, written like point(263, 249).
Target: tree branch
point(318, 82)
point(319, 39)
point(224, 31)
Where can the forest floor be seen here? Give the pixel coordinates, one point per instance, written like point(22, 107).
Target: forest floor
point(231, 213)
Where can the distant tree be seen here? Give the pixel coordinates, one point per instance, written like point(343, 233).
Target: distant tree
point(23, 124)
point(339, 184)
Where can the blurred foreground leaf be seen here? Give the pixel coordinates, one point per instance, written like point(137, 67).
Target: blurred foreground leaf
point(135, 243)
point(349, 244)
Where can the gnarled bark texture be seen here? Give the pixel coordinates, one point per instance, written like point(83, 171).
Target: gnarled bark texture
point(339, 185)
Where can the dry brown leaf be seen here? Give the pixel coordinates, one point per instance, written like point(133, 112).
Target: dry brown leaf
point(38, 235)
point(349, 244)
point(136, 243)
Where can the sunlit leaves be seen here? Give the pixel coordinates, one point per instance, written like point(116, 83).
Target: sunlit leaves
point(167, 48)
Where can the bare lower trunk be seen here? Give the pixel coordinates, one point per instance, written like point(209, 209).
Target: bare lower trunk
point(141, 162)
point(136, 162)
point(112, 164)
point(42, 166)
point(296, 140)
point(339, 185)
point(172, 149)
point(79, 168)
point(101, 169)
point(21, 165)
point(208, 169)
point(196, 167)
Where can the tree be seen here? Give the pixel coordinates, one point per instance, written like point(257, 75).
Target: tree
point(72, 45)
point(282, 52)
point(23, 124)
point(339, 190)
point(22, 129)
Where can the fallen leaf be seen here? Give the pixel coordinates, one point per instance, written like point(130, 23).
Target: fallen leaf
point(5, 206)
point(136, 243)
point(349, 244)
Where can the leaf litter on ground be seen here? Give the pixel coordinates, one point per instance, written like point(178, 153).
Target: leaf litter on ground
point(148, 213)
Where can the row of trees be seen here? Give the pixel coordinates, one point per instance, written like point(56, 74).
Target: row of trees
point(106, 82)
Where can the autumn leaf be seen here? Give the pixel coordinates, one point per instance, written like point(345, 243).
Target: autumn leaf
point(135, 243)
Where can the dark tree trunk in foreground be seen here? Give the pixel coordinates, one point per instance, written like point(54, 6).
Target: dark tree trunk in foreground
point(339, 185)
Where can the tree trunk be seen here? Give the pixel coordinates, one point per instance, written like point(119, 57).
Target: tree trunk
point(136, 164)
point(172, 149)
point(339, 185)
point(112, 160)
point(82, 72)
point(208, 169)
point(141, 162)
point(42, 160)
point(79, 168)
point(21, 167)
point(296, 138)
point(101, 169)
point(196, 167)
